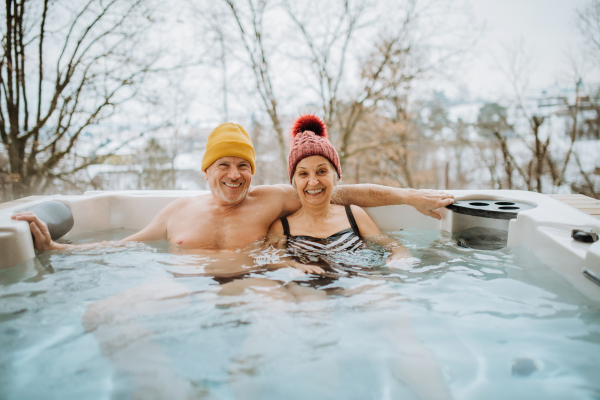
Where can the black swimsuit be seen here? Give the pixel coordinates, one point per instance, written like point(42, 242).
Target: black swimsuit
point(309, 249)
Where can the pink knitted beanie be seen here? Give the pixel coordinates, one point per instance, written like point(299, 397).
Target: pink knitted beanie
point(310, 139)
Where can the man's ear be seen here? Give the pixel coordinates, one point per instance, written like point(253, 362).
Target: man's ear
point(205, 174)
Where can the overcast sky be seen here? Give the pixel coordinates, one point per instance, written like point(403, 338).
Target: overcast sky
point(548, 26)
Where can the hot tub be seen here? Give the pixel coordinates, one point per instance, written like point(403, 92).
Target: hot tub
point(143, 321)
point(546, 228)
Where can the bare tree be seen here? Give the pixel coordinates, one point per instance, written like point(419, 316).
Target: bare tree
point(590, 186)
point(517, 69)
point(589, 26)
point(327, 56)
point(328, 48)
point(372, 114)
point(59, 79)
point(248, 22)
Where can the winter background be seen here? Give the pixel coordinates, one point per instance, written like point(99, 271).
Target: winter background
point(439, 94)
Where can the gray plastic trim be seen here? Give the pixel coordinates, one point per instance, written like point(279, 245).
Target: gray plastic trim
point(591, 276)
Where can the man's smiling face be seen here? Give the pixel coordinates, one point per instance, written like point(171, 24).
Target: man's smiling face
point(229, 178)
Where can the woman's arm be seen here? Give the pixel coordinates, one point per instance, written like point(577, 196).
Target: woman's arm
point(366, 226)
point(368, 229)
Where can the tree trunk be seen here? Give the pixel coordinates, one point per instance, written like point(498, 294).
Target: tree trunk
point(539, 152)
point(16, 158)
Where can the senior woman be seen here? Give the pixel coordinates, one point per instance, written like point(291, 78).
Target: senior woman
point(319, 229)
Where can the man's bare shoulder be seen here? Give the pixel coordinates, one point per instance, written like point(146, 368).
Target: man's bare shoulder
point(273, 194)
point(272, 190)
point(185, 203)
point(280, 199)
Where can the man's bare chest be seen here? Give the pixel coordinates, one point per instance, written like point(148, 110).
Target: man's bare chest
point(211, 230)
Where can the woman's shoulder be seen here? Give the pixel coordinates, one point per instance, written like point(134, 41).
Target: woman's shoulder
point(364, 221)
point(357, 210)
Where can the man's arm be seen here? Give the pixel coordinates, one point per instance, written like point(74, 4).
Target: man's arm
point(369, 195)
point(42, 241)
point(39, 230)
point(157, 228)
point(284, 197)
point(280, 198)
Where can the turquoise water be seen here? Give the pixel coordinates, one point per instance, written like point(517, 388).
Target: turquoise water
point(462, 324)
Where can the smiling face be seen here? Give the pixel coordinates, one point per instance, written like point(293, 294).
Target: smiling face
point(314, 180)
point(229, 178)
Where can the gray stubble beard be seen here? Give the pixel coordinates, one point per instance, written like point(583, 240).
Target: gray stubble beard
point(219, 193)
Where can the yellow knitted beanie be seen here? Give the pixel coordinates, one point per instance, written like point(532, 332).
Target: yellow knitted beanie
point(228, 140)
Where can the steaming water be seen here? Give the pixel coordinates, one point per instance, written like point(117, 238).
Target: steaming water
point(462, 323)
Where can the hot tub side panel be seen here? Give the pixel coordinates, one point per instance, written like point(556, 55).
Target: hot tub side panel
point(91, 212)
point(101, 212)
point(393, 218)
point(16, 244)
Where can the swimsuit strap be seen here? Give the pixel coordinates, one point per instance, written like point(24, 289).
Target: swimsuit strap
point(352, 221)
point(286, 226)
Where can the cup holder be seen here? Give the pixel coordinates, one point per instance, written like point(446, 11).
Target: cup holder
point(483, 223)
point(494, 209)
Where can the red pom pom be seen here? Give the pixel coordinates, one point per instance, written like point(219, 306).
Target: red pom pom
point(311, 123)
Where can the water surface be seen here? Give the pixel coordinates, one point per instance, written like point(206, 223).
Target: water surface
point(461, 323)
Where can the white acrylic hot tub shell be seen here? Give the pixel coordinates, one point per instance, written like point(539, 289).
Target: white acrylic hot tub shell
point(546, 229)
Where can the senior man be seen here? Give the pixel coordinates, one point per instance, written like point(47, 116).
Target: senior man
point(235, 214)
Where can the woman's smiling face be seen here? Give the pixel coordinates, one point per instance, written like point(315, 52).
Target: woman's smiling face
point(314, 179)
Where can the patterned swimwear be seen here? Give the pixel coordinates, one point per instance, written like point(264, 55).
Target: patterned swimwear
point(310, 250)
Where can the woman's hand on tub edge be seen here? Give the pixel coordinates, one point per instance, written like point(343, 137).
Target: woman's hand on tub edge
point(41, 235)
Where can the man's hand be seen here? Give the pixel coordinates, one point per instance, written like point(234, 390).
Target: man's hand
point(307, 268)
point(39, 230)
point(425, 201)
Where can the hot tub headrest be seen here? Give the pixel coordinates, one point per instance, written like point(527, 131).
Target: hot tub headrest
point(56, 215)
